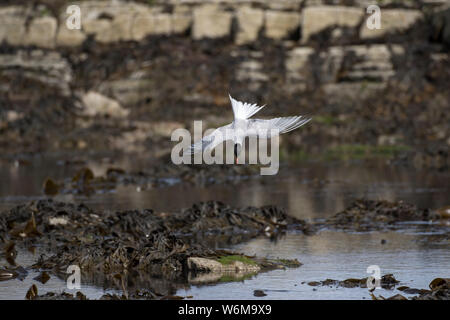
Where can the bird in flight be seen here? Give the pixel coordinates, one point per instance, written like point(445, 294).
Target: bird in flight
point(243, 127)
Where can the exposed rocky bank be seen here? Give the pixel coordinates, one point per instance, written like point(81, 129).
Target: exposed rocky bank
point(134, 72)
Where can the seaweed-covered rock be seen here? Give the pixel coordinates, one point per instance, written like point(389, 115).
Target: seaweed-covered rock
point(440, 290)
point(387, 281)
point(365, 215)
point(56, 296)
point(218, 218)
point(85, 182)
point(106, 242)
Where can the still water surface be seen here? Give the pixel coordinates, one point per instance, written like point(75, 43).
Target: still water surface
point(306, 191)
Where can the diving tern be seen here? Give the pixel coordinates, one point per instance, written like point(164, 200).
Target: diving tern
point(243, 127)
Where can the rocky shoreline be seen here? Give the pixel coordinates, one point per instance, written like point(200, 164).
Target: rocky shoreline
point(367, 94)
point(120, 246)
point(168, 246)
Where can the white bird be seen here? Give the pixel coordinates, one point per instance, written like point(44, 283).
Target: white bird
point(243, 127)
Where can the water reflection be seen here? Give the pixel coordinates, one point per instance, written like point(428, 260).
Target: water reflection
point(306, 190)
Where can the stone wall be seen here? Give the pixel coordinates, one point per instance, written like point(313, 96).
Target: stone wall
point(244, 21)
point(352, 51)
point(297, 24)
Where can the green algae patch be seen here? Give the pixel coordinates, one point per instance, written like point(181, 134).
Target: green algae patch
point(271, 264)
point(289, 263)
point(264, 263)
point(226, 260)
point(344, 152)
point(233, 267)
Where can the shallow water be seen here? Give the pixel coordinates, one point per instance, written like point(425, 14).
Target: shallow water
point(16, 289)
point(339, 256)
point(306, 191)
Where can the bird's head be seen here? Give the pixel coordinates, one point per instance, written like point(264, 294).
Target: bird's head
point(237, 152)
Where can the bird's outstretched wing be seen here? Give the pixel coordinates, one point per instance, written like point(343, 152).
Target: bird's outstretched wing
point(210, 141)
point(243, 110)
point(262, 128)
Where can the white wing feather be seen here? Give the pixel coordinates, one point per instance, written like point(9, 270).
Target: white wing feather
point(210, 141)
point(262, 128)
point(243, 110)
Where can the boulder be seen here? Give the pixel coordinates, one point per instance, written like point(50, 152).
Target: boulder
point(181, 19)
point(392, 20)
point(122, 21)
point(211, 21)
point(91, 10)
point(12, 25)
point(96, 104)
point(69, 38)
point(42, 32)
point(111, 30)
point(280, 24)
point(209, 265)
point(316, 19)
point(146, 24)
point(285, 5)
point(121, 26)
point(100, 28)
point(250, 21)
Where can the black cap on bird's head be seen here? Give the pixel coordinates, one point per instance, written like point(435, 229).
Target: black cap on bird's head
point(237, 151)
